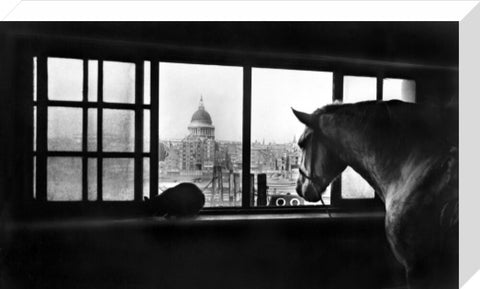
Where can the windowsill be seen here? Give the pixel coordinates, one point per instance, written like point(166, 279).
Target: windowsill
point(201, 220)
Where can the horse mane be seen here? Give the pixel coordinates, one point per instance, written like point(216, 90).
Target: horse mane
point(396, 118)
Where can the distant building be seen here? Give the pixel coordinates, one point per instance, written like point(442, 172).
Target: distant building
point(199, 148)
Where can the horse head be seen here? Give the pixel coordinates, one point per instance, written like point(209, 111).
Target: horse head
point(319, 163)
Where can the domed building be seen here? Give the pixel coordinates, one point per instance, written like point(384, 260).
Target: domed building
point(199, 146)
point(201, 123)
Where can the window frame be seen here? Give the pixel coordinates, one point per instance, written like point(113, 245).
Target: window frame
point(43, 104)
point(100, 50)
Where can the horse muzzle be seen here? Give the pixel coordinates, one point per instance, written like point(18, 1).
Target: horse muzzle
point(308, 190)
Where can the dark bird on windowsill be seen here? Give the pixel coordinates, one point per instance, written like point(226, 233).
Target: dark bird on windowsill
point(183, 200)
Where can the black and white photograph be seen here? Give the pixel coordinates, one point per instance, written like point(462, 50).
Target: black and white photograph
point(232, 155)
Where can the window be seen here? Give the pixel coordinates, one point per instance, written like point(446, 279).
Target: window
point(200, 130)
point(86, 132)
point(275, 130)
point(402, 89)
point(118, 131)
point(355, 89)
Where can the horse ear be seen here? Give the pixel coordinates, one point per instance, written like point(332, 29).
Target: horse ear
point(303, 117)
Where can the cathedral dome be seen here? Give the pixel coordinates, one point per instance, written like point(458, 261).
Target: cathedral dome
point(201, 116)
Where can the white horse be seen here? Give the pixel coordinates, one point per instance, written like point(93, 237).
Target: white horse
point(404, 153)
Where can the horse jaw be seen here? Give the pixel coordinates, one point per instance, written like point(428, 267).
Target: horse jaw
point(308, 190)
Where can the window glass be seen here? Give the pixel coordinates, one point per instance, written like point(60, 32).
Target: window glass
point(65, 79)
point(92, 129)
point(118, 82)
point(146, 130)
point(64, 179)
point(34, 128)
point(146, 177)
point(92, 80)
point(92, 179)
point(35, 79)
point(118, 179)
point(118, 130)
point(200, 129)
point(146, 82)
point(357, 89)
point(275, 130)
point(64, 129)
point(401, 89)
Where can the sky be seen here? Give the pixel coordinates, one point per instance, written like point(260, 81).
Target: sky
point(274, 92)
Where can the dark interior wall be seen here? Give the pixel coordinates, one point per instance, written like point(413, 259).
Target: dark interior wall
point(349, 253)
point(428, 43)
point(346, 253)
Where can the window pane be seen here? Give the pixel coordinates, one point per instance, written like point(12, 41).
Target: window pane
point(359, 88)
point(92, 129)
point(34, 177)
point(65, 79)
point(146, 177)
point(401, 89)
point(354, 186)
point(92, 179)
point(146, 82)
point(200, 128)
point(356, 89)
point(146, 130)
point(118, 179)
point(275, 130)
point(118, 82)
point(64, 179)
point(92, 80)
point(118, 130)
point(64, 129)
point(34, 128)
point(35, 79)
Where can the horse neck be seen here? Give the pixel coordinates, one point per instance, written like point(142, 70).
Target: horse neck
point(384, 160)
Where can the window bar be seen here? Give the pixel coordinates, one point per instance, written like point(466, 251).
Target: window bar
point(42, 118)
point(337, 95)
point(30, 67)
point(154, 100)
point(379, 97)
point(92, 154)
point(99, 132)
point(247, 104)
point(138, 167)
point(85, 132)
point(379, 87)
point(93, 105)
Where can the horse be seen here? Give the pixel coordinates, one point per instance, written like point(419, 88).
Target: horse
point(408, 154)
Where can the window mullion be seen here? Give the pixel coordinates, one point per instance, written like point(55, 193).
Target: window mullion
point(138, 167)
point(379, 87)
point(42, 118)
point(99, 132)
point(85, 132)
point(154, 101)
point(337, 95)
point(247, 194)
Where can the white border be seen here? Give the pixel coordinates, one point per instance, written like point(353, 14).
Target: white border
point(238, 10)
point(14, 10)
